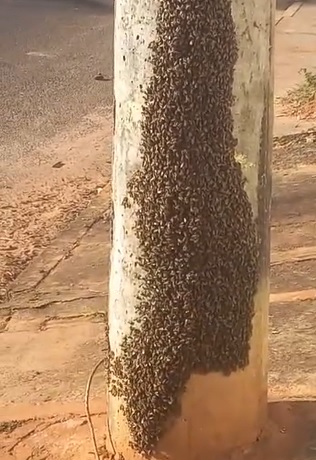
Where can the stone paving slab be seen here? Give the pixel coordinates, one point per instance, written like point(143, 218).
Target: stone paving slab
point(62, 247)
point(292, 350)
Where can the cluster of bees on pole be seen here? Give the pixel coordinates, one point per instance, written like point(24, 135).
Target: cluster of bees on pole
point(198, 241)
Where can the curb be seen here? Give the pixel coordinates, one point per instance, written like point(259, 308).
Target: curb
point(290, 11)
point(294, 137)
point(61, 247)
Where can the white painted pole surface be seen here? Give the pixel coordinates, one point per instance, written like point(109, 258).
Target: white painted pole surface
point(218, 412)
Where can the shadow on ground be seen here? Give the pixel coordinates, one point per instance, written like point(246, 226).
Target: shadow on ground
point(103, 6)
point(284, 4)
point(294, 173)
point(92, 6)
point(290, 434)
point(294, 197)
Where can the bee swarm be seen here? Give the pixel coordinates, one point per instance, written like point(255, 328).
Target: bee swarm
point(197, 239)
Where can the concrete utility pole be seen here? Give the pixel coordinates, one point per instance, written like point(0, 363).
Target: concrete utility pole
point(190, 259)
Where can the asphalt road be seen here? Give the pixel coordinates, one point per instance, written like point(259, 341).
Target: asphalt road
point(50, 51)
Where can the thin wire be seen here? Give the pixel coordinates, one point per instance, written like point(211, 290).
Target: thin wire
point(88, 414)
point(88, 387)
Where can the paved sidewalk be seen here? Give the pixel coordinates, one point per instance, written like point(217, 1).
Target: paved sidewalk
point(295, 43)
point(52, 335)
point(58, 303)
point(52, 329)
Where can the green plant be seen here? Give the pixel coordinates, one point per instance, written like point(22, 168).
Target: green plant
point(298, 101)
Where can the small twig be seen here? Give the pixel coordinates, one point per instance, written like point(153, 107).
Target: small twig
point(88, 414)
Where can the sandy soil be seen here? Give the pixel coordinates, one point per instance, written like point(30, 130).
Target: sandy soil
point(37, 200)
point(289, 435)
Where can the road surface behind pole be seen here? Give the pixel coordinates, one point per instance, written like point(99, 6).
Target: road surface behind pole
point(50, 51)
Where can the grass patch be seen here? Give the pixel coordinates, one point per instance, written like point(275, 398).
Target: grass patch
point(301, 100)
point(9, 427)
